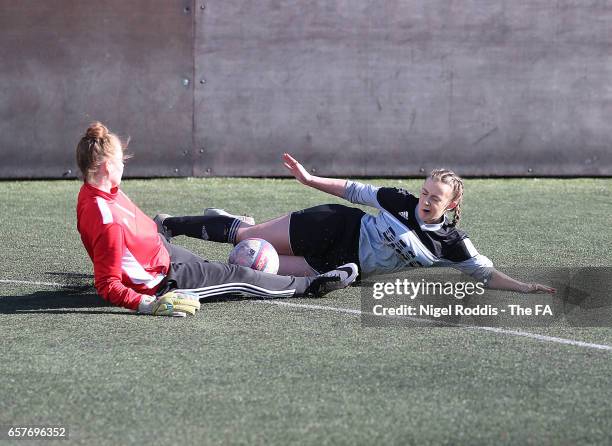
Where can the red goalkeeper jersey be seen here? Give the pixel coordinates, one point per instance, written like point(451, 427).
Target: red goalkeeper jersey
point(128, 254)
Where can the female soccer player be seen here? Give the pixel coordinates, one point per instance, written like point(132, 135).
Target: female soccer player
point(407, 232)
point(136, 268)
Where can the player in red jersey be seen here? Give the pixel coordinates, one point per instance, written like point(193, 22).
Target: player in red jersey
point(136, 268)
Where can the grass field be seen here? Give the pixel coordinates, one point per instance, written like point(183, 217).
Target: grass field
point(253, 372)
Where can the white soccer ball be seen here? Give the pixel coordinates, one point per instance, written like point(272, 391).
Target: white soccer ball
point(255, 253)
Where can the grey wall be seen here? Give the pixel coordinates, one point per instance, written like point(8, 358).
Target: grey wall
point(66, 63)
point(353, 87)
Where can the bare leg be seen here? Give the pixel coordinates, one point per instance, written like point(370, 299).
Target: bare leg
point(295, 266)
point(213, 280)
point(275, 231)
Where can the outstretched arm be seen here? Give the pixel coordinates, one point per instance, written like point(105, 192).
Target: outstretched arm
point(481, 268)
point(388, 198)
point(332, 186)
point(501, 281)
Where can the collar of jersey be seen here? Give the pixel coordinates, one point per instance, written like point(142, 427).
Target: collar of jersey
point(428, 226)
point(98, 192)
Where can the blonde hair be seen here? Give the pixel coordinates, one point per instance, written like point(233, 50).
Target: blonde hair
point(456, 183)
point(94, 147)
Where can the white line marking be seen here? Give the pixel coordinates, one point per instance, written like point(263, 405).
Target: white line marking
point(504, 331)
point(27, 282)
point(525, 334)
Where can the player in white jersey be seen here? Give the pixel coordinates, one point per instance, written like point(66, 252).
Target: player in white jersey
point(407, 232)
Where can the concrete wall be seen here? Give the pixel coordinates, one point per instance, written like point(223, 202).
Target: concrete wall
point(66, 63)
point(357, 87)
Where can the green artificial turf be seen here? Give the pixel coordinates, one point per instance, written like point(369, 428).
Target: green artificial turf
point(247, 372)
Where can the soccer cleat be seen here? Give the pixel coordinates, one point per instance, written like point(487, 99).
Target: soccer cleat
point(159, 221)
point(212, 212)
point(336, 279)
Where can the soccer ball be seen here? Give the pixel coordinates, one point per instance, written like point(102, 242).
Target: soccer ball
point(255, 253)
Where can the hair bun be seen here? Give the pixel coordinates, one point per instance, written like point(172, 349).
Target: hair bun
point(97, 131)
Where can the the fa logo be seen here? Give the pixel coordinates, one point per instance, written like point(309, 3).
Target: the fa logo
point(543, 310)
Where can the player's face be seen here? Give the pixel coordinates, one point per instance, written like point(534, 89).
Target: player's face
point(435, 199)
point(115, 167)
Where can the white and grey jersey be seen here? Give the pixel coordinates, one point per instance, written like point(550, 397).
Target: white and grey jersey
point(397, 239)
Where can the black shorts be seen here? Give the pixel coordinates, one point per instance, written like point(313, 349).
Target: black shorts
point(327, 236)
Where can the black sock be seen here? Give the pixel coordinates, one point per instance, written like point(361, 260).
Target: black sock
point(214, 228)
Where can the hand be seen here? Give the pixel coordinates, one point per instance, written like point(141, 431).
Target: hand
point(296, 169)
point(536, 288)
point(170, 304)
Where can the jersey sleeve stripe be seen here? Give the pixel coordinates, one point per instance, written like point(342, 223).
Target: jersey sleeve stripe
point(137, 274)
point(470, 247)
point(130, 213)
point(107, 215)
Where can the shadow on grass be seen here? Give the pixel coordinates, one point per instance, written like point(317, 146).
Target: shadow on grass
point(81, 299)
point(72, 278)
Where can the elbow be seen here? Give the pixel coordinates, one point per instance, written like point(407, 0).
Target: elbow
point(109, 290)
point(104, 290)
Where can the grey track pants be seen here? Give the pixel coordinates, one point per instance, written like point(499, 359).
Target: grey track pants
point(211, 280)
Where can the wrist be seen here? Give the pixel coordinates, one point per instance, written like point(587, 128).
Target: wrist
point(146, 304)
point(308, 180)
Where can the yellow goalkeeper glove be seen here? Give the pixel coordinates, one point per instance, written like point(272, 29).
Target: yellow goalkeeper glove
point(172, 303)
